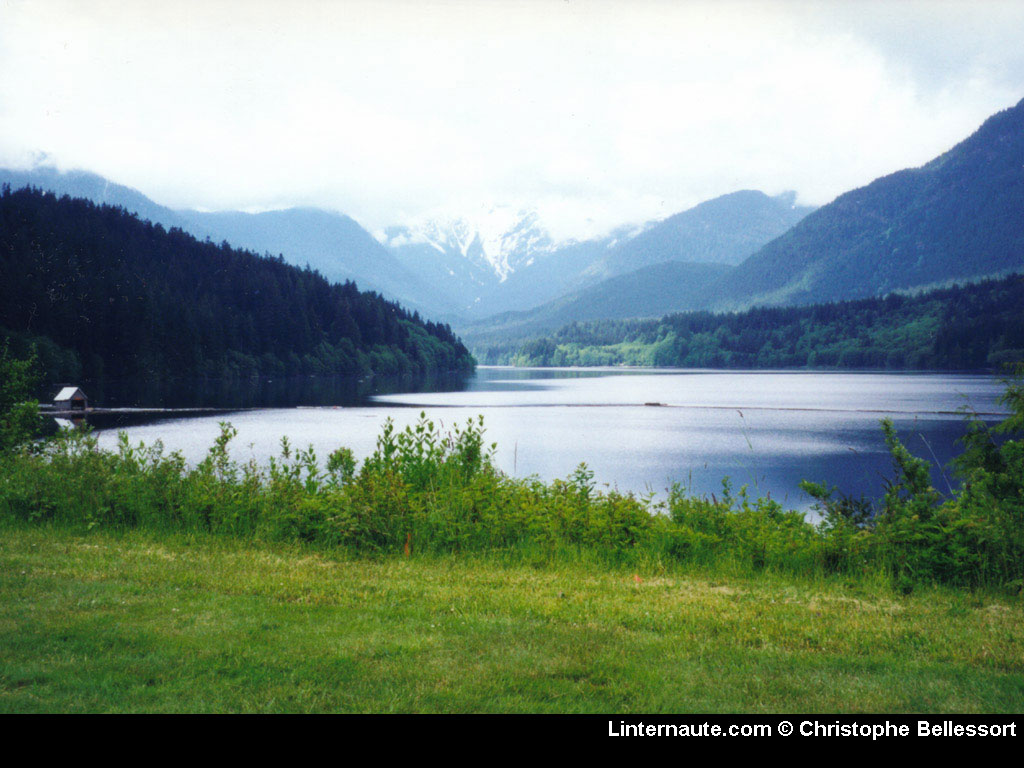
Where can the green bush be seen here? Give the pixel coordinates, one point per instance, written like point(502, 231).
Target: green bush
point(19, 412)
point(973, 538)
point(424, 490)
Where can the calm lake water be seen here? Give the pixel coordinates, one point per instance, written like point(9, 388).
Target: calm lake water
point(768, 430)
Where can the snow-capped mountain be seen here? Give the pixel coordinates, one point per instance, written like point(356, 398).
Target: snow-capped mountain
point(503, 259)
point(494, 243)
point(463, 269)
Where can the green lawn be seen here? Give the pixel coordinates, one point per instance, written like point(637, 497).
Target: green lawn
point(102, 622)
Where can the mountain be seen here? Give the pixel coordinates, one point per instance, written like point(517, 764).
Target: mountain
point(547, 276)
point(91, 187)
point(331, 243)
point(506, 262)
point(449, 257)
point(725, 230)
point(959, 217)
point(459, 269)
point(499, 240)
point(469, 258)
point(101, 293)
point(961, 327)
point(652, 291)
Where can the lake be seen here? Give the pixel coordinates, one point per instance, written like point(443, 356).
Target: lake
point(641, 430)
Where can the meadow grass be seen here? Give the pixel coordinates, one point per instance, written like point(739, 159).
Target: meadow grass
point(140, 621)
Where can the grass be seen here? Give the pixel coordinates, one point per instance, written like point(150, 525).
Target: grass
point(141, 622)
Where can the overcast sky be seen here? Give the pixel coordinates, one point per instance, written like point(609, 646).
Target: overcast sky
point(595, 113)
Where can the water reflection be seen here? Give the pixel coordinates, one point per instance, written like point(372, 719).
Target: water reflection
point(769, 430)
point(280, 392)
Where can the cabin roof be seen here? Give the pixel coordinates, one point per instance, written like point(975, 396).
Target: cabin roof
point(68, 392)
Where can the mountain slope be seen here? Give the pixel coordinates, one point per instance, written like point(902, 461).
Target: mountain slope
point(497, 240)
point(504, 260)
point(467, 257)
point(652, 291)
point(460, 270)
point(959, 217)
point(963, 327)
point(331, 243)
point(725, 230)
point(92, 187)
point(105, 294)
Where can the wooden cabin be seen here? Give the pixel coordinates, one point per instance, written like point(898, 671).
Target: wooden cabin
point(71, 399)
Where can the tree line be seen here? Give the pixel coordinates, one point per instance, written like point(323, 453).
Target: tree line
point(963, 327)
point(94, 291)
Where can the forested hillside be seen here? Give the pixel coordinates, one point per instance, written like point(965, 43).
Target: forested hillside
point(328, 241)
point(101, 293)
point(721, 231)
point(724, 230)
point(651, 291)
point(966, 327)
point(956, 218)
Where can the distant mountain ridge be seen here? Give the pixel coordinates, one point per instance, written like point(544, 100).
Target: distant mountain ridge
point(964, 327)
point(956, 219)
point(724, 230)
point(460, 269)
point(91, 187)
point(100, 292)
point(959, 217)
point(534, 270)
point(648, 292)
point(499, 240)
point(665, 266)
point(329, 242)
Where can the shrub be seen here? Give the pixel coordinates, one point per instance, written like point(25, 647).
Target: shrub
point(426, 490)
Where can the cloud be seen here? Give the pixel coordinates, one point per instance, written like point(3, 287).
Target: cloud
point(596, 113)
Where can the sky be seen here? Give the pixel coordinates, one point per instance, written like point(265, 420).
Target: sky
point(595, 114)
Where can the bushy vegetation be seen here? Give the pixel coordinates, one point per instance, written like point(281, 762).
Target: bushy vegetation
point(96, 292)
point(19, 413)
point(966, 327)
point(426, 491)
